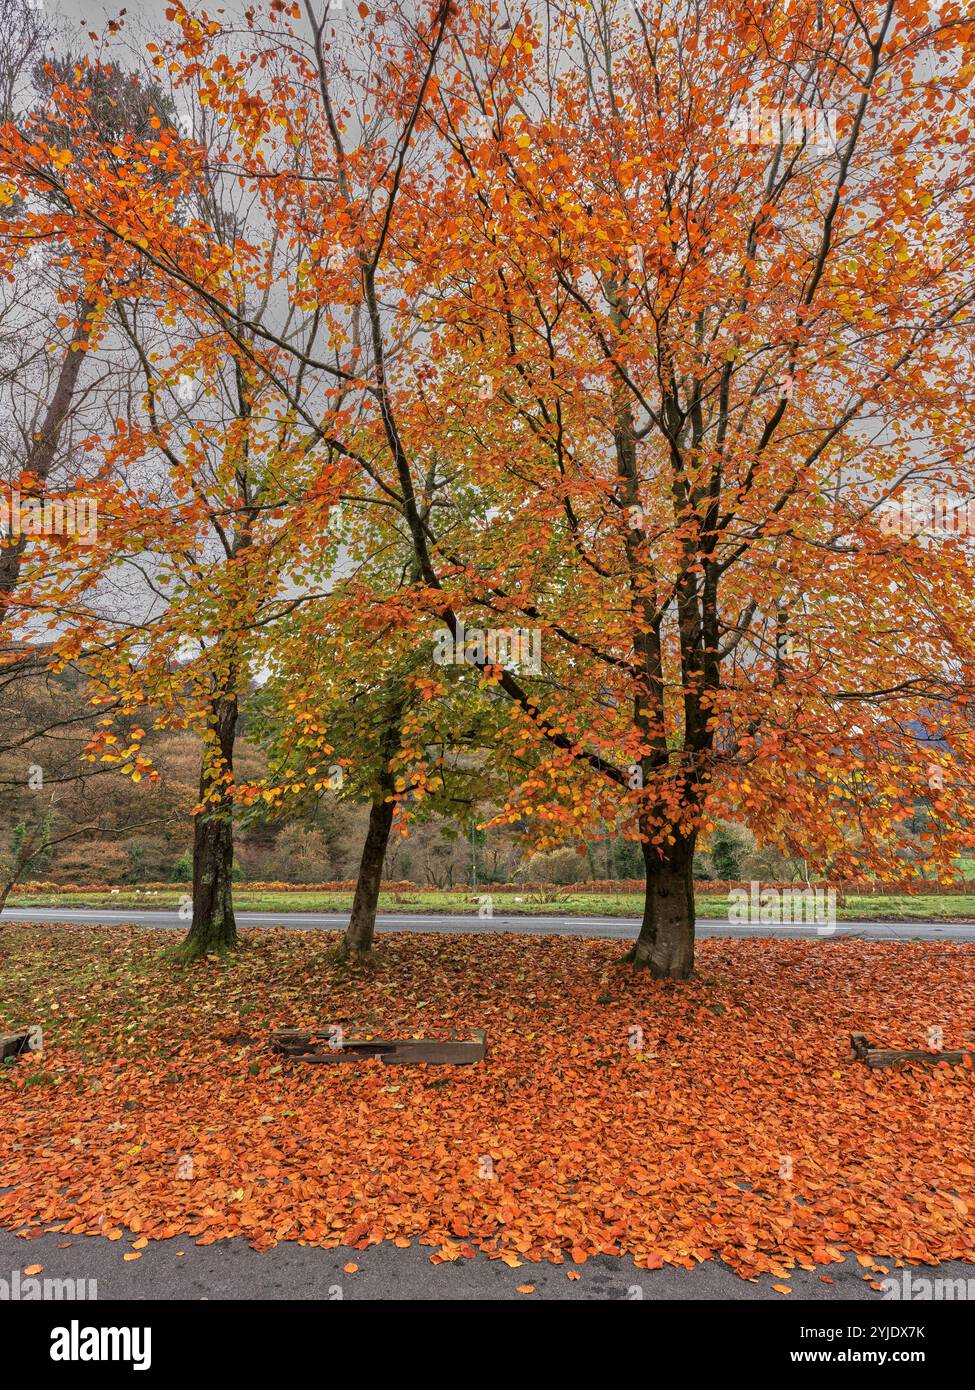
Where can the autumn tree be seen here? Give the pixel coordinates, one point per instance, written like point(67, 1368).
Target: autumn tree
point(55, 386)
point(170, 605)
point(202, 567)
point(351, 708)
point(61, 378)
point(717, 266)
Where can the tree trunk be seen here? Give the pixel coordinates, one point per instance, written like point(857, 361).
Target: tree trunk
point(213, 927)
point(41, 456)
point(6, 890)
point(359, 934)
point(666, 941)
point(29, 849)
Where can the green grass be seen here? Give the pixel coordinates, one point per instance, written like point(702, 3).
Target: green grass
point(901, 907)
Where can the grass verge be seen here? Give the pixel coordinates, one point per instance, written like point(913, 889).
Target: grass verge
point(895, 908)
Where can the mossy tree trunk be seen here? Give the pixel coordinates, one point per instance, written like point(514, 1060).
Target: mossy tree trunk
point(214, 928)
point(361, 930)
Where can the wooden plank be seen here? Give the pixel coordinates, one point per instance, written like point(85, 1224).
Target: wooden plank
point(13, 1044)
point(891, 1057)
point(880, 1057)
point(858, 1041)
point(316, 1046)
point(325, 1058)
point(438, 1052)
point(296, 1044)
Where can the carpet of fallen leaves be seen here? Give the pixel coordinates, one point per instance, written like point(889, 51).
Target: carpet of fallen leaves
point(613, 1114)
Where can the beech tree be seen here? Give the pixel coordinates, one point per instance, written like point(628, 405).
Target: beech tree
point(348, 707)
point(717, 263)
point(201, 568)
point(56, 385)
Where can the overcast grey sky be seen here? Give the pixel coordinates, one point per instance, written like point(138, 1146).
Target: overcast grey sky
point(82, 16)
point(94, 14)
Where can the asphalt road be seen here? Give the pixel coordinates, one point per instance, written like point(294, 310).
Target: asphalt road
point(180, 1269)
point(622, 928)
